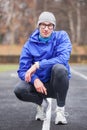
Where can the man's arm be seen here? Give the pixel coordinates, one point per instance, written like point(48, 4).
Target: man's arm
point(25, 65)
point(39, 86)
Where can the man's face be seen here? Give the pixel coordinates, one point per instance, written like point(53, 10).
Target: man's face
point(46, 28)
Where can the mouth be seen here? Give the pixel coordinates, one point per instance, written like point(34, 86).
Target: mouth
point(45, 33)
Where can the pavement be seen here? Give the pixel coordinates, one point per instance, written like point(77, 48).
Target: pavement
point(18, 115)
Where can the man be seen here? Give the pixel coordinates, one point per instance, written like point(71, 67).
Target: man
point(44, 70)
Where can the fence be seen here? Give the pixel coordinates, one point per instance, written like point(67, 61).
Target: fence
point(15, 59)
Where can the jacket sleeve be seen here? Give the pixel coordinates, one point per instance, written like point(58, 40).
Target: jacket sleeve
point(25, 63)
point(62, 51)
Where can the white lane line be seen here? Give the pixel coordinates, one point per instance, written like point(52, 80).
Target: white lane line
point(79, 74)
point(46, 123)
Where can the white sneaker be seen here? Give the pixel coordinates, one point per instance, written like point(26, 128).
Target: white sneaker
point(60, 116)
point(41, 111)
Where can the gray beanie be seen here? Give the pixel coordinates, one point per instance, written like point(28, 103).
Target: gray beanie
point(47, 17)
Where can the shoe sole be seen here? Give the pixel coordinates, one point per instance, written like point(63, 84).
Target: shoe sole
point(39, 119)
point(61, 123)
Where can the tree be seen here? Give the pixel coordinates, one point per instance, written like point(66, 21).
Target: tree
point(17, 18)
point(75, 19)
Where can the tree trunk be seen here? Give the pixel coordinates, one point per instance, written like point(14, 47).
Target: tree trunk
point(78, 24)
point(71, 24)
point(45, 5)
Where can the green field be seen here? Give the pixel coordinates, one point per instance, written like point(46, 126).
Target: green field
point(7, 67)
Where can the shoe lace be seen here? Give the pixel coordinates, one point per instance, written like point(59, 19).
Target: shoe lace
point(66, 114)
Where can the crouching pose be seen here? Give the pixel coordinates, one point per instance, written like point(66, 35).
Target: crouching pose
point(44, 70)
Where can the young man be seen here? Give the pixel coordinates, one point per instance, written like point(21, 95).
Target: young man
point(44, 70)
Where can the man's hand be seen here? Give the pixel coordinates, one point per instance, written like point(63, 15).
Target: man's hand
point(39, 86)
point(30, 72)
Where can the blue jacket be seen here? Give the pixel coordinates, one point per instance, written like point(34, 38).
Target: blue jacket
point(56, 50)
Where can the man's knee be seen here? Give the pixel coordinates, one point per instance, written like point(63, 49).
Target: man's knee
point(59, 70)
point(18, 92)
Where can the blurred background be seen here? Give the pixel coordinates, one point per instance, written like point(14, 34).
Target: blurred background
point(18, 20)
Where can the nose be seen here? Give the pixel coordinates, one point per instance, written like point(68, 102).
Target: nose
point(46, 28)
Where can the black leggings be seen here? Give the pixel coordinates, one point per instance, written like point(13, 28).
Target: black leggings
point(56, 88)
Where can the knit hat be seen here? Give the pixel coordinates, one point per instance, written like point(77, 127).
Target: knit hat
point(47, 17)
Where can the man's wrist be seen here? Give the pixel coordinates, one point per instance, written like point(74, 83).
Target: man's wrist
point(36, 80)
point(37, 65)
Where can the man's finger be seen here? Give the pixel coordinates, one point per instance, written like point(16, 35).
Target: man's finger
point(45, 90)
point(27, 77)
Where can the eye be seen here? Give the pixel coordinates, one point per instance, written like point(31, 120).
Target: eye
point(43, 26)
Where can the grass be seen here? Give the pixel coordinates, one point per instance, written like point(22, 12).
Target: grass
point(8, 67)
